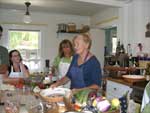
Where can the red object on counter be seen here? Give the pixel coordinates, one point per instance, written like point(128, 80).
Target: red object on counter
point(41, 86)
point(19, 84)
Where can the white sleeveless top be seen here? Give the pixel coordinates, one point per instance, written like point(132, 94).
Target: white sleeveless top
point(16, 74)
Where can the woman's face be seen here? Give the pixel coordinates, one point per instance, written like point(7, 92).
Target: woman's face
point(66, 49)
point(15, 57)
point(79, 45)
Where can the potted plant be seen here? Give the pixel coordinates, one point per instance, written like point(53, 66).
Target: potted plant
point(147, 72)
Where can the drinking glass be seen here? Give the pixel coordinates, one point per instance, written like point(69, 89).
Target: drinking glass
point(11, 102)
point(1, 79)
point(12, 106)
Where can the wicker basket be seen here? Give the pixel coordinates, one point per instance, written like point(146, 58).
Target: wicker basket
point(53, 99)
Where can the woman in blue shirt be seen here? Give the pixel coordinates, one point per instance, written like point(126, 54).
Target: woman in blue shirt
point(84, 71)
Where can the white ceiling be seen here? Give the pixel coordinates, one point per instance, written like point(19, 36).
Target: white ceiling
point(75, 7)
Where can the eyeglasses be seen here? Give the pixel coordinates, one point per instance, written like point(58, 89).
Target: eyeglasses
point(65, 46)
point(15, 56)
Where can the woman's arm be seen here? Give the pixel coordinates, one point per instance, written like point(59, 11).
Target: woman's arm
point(24, 69)
point(55, 64)
point(62, 81)
point(3, 69)
point(12, 80)
point(8, 80)
point(94, 86)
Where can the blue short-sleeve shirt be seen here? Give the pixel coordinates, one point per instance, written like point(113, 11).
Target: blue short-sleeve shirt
point(91, 71)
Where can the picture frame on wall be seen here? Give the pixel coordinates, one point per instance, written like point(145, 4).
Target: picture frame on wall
point(147, 33)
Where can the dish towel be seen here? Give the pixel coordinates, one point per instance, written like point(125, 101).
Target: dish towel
point(133, 107)
point(146, 99)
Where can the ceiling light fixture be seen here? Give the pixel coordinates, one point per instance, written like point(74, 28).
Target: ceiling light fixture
point(27, 16)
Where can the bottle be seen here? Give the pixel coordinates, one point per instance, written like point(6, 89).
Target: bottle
point(118, 48)
point(134, 63)
point(51, 74)
point(129, 50)
point(130, 61)
point(46, 69)
point(117, 65)
point(122, 50)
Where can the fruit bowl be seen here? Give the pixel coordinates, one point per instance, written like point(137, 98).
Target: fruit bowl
point(133, 78)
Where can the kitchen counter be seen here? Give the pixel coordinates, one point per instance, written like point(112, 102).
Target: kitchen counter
point(122, 81)
point(119, 80)
point(119, 85)
point(117, 68)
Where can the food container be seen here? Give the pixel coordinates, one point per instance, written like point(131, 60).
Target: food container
point(62, 27)
point(71, 27)
point(85, 29)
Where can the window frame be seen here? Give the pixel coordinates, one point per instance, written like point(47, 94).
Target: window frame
point(39, 46)
point(24, 27)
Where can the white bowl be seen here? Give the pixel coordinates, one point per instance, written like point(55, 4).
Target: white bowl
point(55, 91)
point(133, 78)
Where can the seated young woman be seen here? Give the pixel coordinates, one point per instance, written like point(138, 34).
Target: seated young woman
point(17, 70)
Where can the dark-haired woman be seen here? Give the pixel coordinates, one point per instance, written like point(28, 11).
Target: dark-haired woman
point(17, 70)
point(62, 61)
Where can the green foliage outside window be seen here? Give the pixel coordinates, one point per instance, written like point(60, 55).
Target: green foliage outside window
point(23, 40)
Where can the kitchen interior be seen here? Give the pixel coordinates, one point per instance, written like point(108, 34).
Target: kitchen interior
point(116, 27)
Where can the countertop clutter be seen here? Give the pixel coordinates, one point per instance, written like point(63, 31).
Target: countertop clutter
point(57, 100)
point(25, 100)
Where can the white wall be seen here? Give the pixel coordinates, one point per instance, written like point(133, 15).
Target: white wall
point(98, 43)
point(103, 18)
point(48, 22)
point(132, 23)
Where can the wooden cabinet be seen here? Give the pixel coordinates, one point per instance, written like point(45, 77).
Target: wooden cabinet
point(114, 89)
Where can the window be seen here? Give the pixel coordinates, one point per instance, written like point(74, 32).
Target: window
point(114, 44)
point(28, 43)
point(111, 40)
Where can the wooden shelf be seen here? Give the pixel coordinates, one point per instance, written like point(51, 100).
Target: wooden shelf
point(68, 32)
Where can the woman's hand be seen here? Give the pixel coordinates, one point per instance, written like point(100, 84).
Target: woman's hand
point(21, 64)
point(74, 91)
point(54, 85)
point(25, 71)
point(94, 87)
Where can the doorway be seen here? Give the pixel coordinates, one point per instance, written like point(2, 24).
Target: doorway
point(110, 40)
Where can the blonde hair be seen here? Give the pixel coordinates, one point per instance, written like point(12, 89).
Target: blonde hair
point(65, 42)
point(86, 38)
